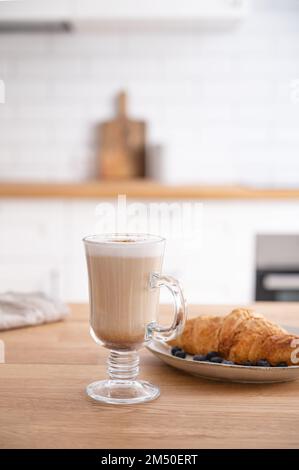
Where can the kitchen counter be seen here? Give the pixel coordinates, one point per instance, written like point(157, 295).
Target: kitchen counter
point(43, 402)
point(140, 189)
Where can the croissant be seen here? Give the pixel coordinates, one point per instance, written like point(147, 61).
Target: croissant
point(241, 336)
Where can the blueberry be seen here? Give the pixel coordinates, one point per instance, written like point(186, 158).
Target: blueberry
point(263, 363)
point(200, 357)
point(174, 350)
point(230, 363)
point(216, 359)
point(180, 354)
point(247, 363)
point(282, 364)
point(212, 354)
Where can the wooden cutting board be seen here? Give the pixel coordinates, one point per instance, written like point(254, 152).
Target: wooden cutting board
point(122, 145)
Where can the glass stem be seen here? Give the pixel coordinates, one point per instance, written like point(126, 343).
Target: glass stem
point(123, 365)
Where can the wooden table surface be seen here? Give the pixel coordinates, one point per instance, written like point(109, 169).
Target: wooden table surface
point(43, 402)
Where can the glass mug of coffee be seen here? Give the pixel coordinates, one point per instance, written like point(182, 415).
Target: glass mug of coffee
point(125, 277)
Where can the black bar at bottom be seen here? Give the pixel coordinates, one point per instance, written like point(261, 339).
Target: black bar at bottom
point(135, 459)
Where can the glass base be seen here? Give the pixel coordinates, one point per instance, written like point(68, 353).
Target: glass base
point(122, 392)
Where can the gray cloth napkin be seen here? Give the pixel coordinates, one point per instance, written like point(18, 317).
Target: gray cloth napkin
point(18, 309)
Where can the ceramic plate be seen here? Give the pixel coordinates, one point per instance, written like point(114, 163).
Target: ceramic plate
point(224, 372)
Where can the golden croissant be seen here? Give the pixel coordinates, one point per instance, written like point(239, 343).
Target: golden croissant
point(240, 336)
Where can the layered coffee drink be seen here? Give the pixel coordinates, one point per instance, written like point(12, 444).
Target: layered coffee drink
point(121, 300)
point(124, 272)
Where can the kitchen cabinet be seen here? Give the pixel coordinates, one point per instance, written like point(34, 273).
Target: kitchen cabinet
point(98, 12)
point(166, 10)
point(35, 10)
point(41, 246)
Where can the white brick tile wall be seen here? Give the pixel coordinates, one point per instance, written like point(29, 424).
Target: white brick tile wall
point(220, 102)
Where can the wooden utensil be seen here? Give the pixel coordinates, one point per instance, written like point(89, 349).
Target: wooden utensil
point(122, 140)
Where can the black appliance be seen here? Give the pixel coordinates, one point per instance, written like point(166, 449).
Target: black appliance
point(277, 268)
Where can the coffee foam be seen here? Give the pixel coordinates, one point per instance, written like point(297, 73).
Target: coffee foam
point(129, 247)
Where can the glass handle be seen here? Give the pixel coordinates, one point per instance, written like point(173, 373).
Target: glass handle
point(166, 333)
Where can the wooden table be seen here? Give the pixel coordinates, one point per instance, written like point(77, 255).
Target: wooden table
point(43, 402)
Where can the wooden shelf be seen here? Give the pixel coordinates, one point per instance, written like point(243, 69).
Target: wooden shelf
point(140, 189)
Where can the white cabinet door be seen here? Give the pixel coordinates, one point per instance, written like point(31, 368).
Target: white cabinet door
point(41, 247)
point(32, 244)
point(32, 277)
point(36, 10)
point(31, 230)
point(86, 14)
point(160, 10)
